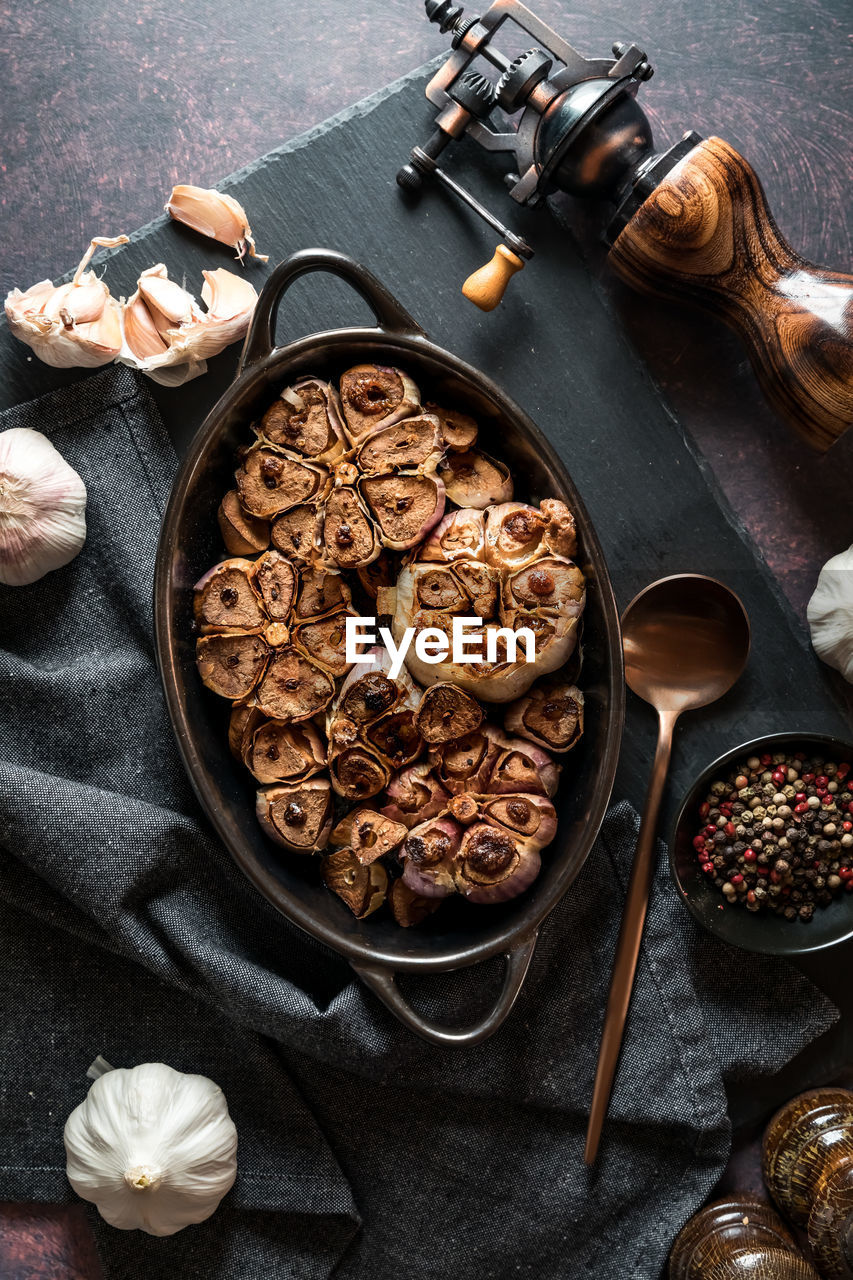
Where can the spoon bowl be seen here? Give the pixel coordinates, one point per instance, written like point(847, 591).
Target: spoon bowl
point(686, 642)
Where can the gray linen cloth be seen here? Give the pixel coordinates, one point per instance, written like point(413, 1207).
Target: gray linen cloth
point(128, 931)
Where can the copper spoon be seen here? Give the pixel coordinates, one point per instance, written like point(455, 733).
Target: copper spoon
point(686, 641)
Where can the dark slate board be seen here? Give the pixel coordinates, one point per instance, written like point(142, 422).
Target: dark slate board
point(553, 345)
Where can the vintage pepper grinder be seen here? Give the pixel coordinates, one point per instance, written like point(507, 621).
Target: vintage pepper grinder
point(737, 1238)
point(689, 223)
point(808, 1167)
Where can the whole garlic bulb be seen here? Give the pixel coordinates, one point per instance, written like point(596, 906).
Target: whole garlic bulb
point(42, 507)
point(830, 614)
point(152, 1148)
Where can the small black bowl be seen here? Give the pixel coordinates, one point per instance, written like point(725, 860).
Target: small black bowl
point(762, 932)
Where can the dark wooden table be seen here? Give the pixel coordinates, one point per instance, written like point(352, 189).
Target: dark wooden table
point(106, 106)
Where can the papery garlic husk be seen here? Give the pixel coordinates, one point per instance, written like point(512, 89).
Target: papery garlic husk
point(299, 818)
point(830, 614)
point(369, 834)
point(362, 887)
point(550, 714)
point(42, 507)
point(68, 325)
point(374, 396)
point(493, 866)
point(427, 857)
point(414, 795)
point(515, 576)
point(152, 1148)
point(216, 215)
point(162, 312)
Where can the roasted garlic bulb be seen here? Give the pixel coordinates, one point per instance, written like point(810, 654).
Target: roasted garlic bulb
point(510, 567)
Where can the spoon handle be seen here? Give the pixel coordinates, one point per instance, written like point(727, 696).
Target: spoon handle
point(630, 937)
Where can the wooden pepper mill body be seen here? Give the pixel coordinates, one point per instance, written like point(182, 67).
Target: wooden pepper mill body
point(706, 236)
point(738, 1238)
point(808, 1168)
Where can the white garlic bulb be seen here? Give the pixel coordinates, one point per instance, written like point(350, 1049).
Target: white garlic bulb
point(830, 614)
point(42, 507)
point(152, 1148)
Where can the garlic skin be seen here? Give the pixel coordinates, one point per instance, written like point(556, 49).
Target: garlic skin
point(830, 614)
point(74, 324)
point(152, 1148)
point(169, 337)
point(42, 507)
point(215, 215)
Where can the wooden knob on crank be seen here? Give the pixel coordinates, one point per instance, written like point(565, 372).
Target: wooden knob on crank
point(486, 287)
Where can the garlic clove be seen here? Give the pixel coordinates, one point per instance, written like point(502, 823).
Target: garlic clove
point(165, 297)
point(42, 507)
point(141, 335)
point(215, 215)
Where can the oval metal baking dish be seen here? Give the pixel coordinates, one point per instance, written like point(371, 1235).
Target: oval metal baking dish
point(459, 934)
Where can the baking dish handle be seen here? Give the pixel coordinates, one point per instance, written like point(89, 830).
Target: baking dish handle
point(260, 340)
point(381, 982)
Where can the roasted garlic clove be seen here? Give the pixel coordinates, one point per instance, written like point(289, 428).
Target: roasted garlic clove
point(445, 713)
point(465, 764)
point(492, 866)
point(375, 396)
point(245, 719)
point(459, 536)
point(306, 419)
point(298, 817)
point(216, 215)
point(473, 479)
point(231, 664)
point(225, 599)
point(269, 481)
point(369, 834)
point(549, 583)
point(243, 534)
point(531, 816)
point(321, 591)
point(517, 534)
point(357, 773)
point(369, 691)
point(428, 856)
point(409, 908)
point(550, 714)
point(298, 533)
point(324, 640)
point(362, 888)
point(274, 579)
point(378, 575)
point(414, 795)
point(524, 766)
point(395, 738)
point(293, 688)
point(410, 445)
point(405, 507)
point(74, 324)
point(456, 430)
point(349, 535)
point(278, 752)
